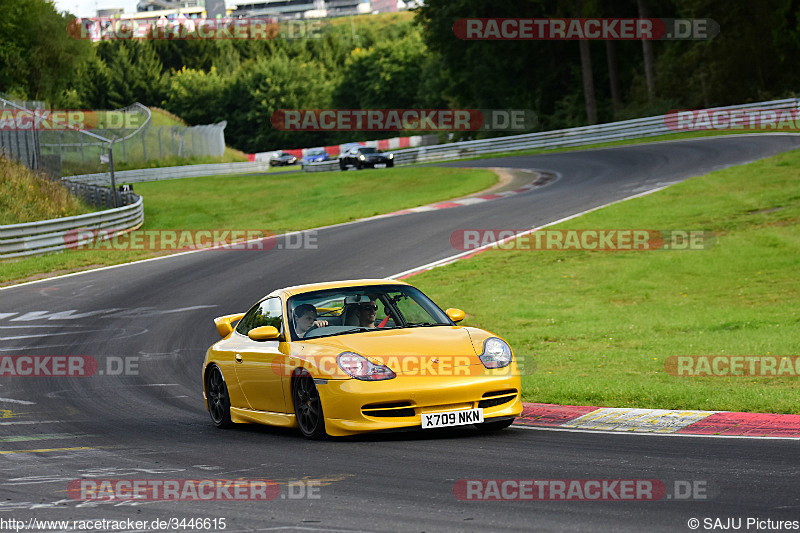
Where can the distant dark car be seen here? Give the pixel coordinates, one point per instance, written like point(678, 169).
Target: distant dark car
point(282, 159)
point(315, 155)
point(364, 156)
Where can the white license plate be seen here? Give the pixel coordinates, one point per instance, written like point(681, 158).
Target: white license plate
point(380, 165)
point(452, 418)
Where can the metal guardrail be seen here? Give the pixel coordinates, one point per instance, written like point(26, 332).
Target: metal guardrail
point(99, 196)
point(585, 135)
point(171, 173)
point(17, 240)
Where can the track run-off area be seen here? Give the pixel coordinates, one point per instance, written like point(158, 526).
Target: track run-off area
point(141, 416)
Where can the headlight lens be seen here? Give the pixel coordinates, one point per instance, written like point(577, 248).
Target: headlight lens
point(362, 157)
point(391, 156)
point(496, 353)
point(360, 367)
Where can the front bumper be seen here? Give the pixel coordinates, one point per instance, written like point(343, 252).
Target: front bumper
point(353, 406)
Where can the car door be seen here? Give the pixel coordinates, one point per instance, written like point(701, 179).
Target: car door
point(352, 156)
point(255, 361)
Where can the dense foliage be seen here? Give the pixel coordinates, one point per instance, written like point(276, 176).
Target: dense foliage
point(411, 60)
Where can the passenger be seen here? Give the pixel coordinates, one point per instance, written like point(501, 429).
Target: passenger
point(305, 319)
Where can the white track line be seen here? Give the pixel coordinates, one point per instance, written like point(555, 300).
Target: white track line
point(468, 253)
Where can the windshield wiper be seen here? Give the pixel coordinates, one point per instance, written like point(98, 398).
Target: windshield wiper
point(421, 324)
point(354, 330)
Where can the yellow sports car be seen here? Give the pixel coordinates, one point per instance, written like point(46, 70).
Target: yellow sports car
point(351, 356)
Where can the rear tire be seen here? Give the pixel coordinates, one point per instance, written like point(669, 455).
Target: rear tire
point(308, 407)
point(494, 425)
point(219, 403)
point(342, 166)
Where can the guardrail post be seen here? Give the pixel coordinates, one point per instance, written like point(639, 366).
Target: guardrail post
point(111, 168)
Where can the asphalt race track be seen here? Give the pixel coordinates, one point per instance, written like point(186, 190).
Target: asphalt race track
point(157, 315)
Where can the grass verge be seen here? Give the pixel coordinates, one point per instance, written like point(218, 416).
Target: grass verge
point(596, 328)
point(276, 201)
point(25, 196)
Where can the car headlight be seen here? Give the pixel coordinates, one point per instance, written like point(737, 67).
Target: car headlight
point(360, 367)
point(362, 157)
point(496, 353)
point(391, 156)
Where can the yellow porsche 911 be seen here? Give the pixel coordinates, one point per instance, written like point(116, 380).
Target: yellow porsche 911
point(352, 356)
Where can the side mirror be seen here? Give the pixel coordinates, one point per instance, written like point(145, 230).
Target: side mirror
point(456, 315)
point(264, 333)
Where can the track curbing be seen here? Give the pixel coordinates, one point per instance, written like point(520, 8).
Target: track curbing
point(660, 421)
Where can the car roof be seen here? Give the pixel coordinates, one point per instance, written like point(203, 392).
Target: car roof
point(311, 287)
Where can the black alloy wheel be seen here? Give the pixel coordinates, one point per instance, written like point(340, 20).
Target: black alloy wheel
point(308, 406)
point(219, 403)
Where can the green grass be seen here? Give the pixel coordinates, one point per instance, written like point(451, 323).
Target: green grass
point(595, 328)
point(27, 197)
point(277, 202)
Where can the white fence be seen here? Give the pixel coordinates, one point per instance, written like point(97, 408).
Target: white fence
point(171, 173)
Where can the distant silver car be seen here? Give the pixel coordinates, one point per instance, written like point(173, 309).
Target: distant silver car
point(282, 159)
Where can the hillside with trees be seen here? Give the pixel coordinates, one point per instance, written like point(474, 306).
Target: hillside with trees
point(411, 60)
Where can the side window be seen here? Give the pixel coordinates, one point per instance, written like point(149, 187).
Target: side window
point(411, 310)
point(267, 313)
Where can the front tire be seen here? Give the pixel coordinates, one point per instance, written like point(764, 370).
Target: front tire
point(219, 403)
point(308, 407)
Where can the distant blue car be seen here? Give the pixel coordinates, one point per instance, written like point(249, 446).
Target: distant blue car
point(315, 155)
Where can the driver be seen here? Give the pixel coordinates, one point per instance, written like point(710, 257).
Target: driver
point(366, 313)
point(305, 319)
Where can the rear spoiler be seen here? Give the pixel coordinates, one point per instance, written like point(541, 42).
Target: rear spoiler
point(223, 323)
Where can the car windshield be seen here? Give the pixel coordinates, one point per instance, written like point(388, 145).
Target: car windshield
point(350, 310)
point(368, 151)
point(318, 151)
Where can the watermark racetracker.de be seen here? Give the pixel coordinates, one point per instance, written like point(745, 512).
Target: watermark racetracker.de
point(733, 120)
point(581, 29)
point(67, 366)
point(403, 119)
point(108, 28)
point(732, 365)
point(192, 489)
point(579, 490)
point(180, 240)
point(582, 239)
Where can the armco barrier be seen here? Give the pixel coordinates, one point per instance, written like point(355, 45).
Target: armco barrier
point(585, 135)
point(32, 238)
point(171, 173)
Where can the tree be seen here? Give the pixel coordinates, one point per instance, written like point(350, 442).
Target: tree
point(38, 58)
point(387, 75)
point(196, 96)
point(264, 86)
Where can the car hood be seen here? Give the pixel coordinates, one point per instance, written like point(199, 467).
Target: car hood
point(399, 348)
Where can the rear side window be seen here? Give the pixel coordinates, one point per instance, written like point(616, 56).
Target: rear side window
point(266, 313)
